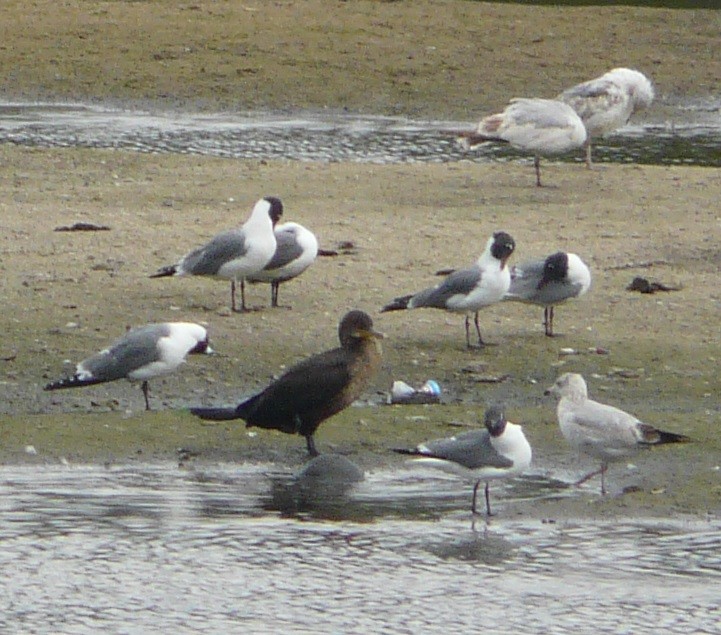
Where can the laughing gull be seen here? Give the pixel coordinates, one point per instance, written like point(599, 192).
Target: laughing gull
point(540, 126)
point(296, 250)
point(316, 388)
point(141, 354)
point(601, 431)
point(468, 290)
point(548, 282)
point(499, 451)
point(607, 102)
point(236, 254)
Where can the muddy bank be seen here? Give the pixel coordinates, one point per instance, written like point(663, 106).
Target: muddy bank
point(425, 59)
point(73, 292)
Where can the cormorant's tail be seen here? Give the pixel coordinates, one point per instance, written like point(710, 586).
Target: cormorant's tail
point(170, 270)
point(398, 304)
point(216, 414)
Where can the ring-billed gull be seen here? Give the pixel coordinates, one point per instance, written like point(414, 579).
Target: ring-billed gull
point(468, 290)
point(607, 102)
point(141, 354)
point(499, 451)
point(296, 250)
point(316, 388)
point(602, 431)
point(235, 254)
point(540, 126)
point(549, 281)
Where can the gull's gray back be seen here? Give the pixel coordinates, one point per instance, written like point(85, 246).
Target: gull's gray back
point(471, 449)
point(207, 260)
point(461, 282)
point(136, 349)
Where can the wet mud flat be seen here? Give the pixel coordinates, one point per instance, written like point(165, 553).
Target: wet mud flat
point(73, 292)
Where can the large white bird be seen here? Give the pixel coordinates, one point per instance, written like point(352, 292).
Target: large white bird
point(296, 250)
point(606, 103)
point(236, 254)
point(539, 126)
point(549, 281)
point(498, 451)
point(141, 354)
point(602, 431)
point(468, 290)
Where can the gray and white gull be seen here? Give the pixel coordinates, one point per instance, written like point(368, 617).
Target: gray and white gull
point(548, 282)
point(468, 290)
point(599, 430)
point(235, 254)
point(296, 250)
point(538, 126)
point(141, 354)
point(498, 451)
point(606, 103)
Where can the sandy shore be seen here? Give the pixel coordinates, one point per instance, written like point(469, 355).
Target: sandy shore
point(72, 293)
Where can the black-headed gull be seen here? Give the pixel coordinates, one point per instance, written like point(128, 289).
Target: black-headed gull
point(606, 103)
point(539, 126)
point(235, 254)
point(468, 290)
point(141, 354)
point(316, 388)
point(499, 451)
point(549, 281)
point(602, 431)
point(296, 250)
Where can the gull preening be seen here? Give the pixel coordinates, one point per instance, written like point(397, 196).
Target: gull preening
point(235, 254)
point(314, 389)
point(498, 451)
point(538, 126)
point(548, 282)
point(296, 250)
point(606, 103)
point(602, 431)
point(141, 354)
point(468, 290)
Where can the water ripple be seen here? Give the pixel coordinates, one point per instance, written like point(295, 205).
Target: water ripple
point(155, 548)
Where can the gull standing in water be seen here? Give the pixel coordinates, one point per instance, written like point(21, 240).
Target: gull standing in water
point(498, 451)
point(236, 254)
point(539, 126)
point(602, 431)
point(548, 282)
point(468, 290)
point(316, 388)
point(141, 354)
point(296, 250)
point(606, 103)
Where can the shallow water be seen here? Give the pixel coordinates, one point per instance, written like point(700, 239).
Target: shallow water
point(238, 548)
point(693, 139)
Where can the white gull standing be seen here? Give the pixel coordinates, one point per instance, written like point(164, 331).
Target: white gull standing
point(235, 254)
point(549, 281)
point(498, 451)
point(296, 250)
point(602, 431)
point(141, 354)
point(539, 126)
point(468, 290)
point(606, 103)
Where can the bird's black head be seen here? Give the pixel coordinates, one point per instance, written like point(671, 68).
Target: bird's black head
point(201, 348)
point(276, 208)
point(355, 326)
point(495, 420)
point(555, 269)
point(502, 247)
